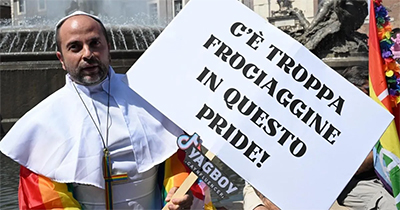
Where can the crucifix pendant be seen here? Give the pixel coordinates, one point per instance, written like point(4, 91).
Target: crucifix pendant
point(109, 178)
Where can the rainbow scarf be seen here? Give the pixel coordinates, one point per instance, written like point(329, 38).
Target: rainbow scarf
point(174, 172)
point(384, 81)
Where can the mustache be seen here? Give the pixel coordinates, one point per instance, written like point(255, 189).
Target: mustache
point(93, 61)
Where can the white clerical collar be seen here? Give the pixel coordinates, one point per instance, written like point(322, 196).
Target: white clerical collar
point(90, 89)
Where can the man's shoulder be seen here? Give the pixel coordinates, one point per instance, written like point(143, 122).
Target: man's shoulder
point(53, 103)
point(120, 75)
point(59, 96)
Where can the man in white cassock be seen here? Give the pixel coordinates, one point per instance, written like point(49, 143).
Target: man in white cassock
point(76, 144)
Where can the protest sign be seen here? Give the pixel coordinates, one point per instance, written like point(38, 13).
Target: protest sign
point(260, 101)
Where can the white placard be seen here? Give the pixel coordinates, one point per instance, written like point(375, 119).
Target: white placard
point(266, 106)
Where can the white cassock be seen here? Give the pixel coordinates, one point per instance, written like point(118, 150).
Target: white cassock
point(58, 139)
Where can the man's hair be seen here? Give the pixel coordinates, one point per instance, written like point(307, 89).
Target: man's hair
point(356, 75)
point(61, 22)
point(396, 31)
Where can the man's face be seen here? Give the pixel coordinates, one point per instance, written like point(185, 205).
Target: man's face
point(84, 53)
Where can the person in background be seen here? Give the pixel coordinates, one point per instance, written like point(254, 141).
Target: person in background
point(396, 44)
point(364, 190)
point(94, 143)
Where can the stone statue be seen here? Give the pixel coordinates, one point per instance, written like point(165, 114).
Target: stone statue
point(74, 6)
point(284, 3)
point(333, 29)
point(285, 6)
point(89, 6)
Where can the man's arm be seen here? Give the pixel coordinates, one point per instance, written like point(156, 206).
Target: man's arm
point(254, 200)
point(267, 203)
point(39, 192)
point(367, 165)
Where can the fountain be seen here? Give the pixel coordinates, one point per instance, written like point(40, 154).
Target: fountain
point(23, 41)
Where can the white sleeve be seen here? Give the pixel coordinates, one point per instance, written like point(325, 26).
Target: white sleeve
point(250, 198)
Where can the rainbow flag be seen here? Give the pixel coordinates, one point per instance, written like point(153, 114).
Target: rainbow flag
point(39, 192)
point(384, 81)
point(175, 172)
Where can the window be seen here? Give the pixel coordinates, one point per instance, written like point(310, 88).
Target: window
point(21, 6)
point(153, 11)
point(177, 6)
point(42, 5)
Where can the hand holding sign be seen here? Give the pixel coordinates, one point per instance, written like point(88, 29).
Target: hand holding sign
point(186, 143)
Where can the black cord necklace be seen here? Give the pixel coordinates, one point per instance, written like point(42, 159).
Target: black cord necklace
point(108, 178)
point(104, 141)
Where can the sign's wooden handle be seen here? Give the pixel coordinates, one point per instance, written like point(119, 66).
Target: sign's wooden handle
point(185, 186)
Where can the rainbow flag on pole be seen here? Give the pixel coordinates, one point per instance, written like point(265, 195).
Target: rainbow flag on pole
point(384, 81)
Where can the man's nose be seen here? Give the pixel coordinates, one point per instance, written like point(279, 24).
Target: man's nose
point(87, 52)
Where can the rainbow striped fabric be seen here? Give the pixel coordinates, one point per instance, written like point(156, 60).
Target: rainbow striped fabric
point(175, 172)
point(384, 75)
point(39, 192)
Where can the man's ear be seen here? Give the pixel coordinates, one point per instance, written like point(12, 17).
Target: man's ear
point(61, 59)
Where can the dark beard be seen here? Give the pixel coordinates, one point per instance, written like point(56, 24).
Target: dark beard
point(101, 74)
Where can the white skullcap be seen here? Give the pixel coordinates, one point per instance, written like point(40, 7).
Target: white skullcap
point(60, 22)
